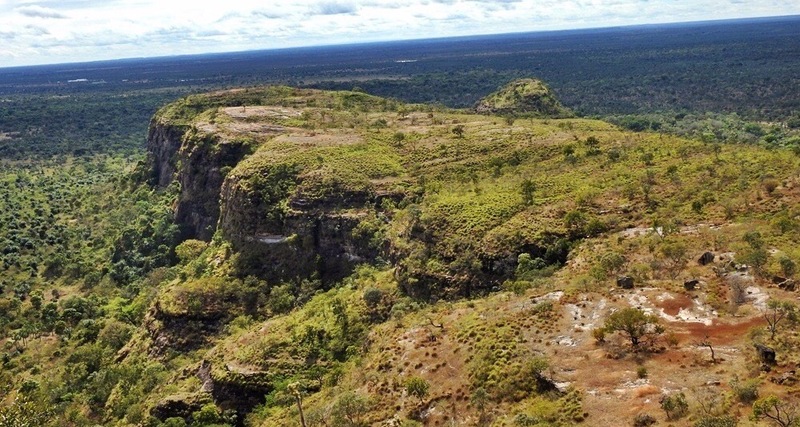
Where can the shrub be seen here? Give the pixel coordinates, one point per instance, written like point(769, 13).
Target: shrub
point(643, 420)
point(745, 391)
point(189, 250)
point(675, 406)
point(417, 387)
point(599, 334)
point(372, 297)
point(281, 299)
point(770, 184)
point(641, 372)
point(207, 415)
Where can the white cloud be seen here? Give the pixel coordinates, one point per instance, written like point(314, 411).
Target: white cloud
point(35, 11)
point(48, 31)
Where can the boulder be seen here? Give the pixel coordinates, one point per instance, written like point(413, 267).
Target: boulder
point(787, 378)
point(625, 282)
point(706, 258)
point(787, 285)
point(784, 283)
point(765, 354)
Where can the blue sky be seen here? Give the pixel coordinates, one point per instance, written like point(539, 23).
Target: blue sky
point(55, 31)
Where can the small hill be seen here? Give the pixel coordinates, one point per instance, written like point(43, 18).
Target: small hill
point(523, 97)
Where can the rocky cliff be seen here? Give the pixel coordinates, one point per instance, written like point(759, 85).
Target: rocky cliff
point(292, 209)
point(307, 184)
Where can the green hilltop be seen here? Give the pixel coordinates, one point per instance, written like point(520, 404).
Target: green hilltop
point(528, 97)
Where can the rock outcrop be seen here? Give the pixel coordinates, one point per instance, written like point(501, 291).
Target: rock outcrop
point(197, 161)
point(285, 210)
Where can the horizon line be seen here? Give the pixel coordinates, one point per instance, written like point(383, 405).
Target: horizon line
point(389, 41)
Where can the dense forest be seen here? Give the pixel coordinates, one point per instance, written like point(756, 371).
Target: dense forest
point(444, 267)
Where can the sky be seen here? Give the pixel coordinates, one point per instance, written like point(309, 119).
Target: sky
point(36, 32)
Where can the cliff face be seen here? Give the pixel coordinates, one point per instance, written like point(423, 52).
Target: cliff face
point(290, 220)
point(291, 210)
point(197, 162)
point(163, 142)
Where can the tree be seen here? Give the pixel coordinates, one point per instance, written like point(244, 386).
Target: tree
point(24, 412)
point(458, 131)
point(706, 342)
point(480, 399)
point(788, 267)
point(295, 390)
point(783, 414)
point(527, 188)
point(777, 311)
point(575, 221)
point(398, 137)
point(635, 324)
point(349, 409)
point(675, 252)
point(756, 255)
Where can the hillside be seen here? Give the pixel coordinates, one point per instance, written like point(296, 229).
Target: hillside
point(380, 263)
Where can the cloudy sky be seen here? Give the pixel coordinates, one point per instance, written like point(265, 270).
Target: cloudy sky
point(55, 31)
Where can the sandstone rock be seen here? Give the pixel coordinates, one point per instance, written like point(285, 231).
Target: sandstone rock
point(706, 258)
point(765, 354)
point(625, 282)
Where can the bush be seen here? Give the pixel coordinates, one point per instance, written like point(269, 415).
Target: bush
point(417, 387)
point(372, 297)
point(599, 335)
point(207, 415)
point(115, 334)
point(641, 372)
point(675, 406)
point(643, 420)
point(745, 391)
point(281, 299)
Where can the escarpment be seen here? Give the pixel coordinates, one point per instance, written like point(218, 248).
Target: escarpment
point(307, 211)
point(306, 184)
point(197, 161)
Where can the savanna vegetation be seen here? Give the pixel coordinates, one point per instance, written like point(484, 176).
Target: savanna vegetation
point(410, 264)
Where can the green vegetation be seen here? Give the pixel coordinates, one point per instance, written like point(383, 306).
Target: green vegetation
point(525, 97)
point(356, 273)
point(635, 325)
